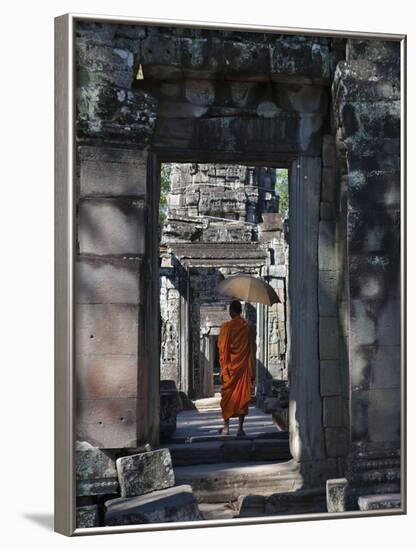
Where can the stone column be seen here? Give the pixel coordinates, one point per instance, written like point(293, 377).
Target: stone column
point(111, 383)
point(305, 414)
point(367, 109)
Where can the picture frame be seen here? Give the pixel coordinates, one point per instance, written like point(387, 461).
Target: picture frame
point(374, 233)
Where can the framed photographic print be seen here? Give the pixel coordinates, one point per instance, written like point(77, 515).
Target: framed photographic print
point(229, 274)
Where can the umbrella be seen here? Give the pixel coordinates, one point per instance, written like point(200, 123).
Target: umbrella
point(248, 289)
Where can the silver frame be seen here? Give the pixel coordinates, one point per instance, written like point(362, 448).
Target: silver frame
point(65, 494)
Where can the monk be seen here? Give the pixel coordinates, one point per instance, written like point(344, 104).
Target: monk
point(236, 356)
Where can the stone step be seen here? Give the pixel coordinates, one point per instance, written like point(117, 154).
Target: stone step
point(208, 403)
point(173, 504)
point(303, 501)
point(227, 481)
point(219, 510)
point(217, 437)
point(379, 502)
point(229, 450)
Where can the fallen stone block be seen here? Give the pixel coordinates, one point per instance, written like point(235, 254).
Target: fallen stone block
point(336, 494)
point(296, 502)
point(379, 502)
point(145, 472)
point(167, 505)
point(95, 471)
point(251, 506)
point(87, 516)
point(92, 463)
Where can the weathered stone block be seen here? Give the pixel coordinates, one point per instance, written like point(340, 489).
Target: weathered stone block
point(111, 227)
point(101, 33)
point(308, 61)
point(169, 406)
point(167, 505)
point(115, 113)
point(371, 280)
point(328, 338)
point(373, 50)
point(296, 502)
point(246, 61)
point(161, 56)
point(251, 506)
point(106, 376)
point(145, 472)
point(332, 412)
point(277, 271)
point(388, 326)
point(373, 120)
point(362, 324)
point(336, 442)
point(385, 367)
point(109, 423)
point(328, 293)
point(112, 179)
point(107, 329)
point(329, 378)
point(327, 252)
point(95, 473)
point(368, 190)
point(359, 413)
point(336, 494)
point(301, 98)
point(106, 154)
point(200, 92)
point(92, 463)
point(328, 184)
point(367, 158)
point(379, 502)
point(327, 211)
point(242, 93)
point(97, 487)
point(107, 281)
point(202, 57)
point(87, 516)
point(329, 151)
point(384, 414)
point(364, 70)
point(113, 65)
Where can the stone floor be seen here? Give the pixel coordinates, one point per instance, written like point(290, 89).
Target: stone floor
point(224, 469)
point(205, 421)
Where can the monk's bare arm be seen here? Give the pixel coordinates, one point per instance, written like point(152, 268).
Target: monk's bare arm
point(253, 351)
point(220, 345)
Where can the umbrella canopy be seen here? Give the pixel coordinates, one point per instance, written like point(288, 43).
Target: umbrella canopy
point(248, 289)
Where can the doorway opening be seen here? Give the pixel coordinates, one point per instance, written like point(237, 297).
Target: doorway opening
point(218, 220)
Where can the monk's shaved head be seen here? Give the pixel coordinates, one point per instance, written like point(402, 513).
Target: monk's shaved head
point(235, 308)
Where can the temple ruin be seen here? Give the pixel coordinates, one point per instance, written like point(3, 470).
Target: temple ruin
point(225, 109)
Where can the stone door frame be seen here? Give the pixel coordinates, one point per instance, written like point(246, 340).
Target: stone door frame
point(306, 430)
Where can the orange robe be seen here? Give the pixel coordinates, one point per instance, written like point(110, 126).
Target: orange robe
point(236, 356)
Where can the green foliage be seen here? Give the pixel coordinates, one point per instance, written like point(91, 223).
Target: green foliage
point(281, 187)
point(165, 185)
